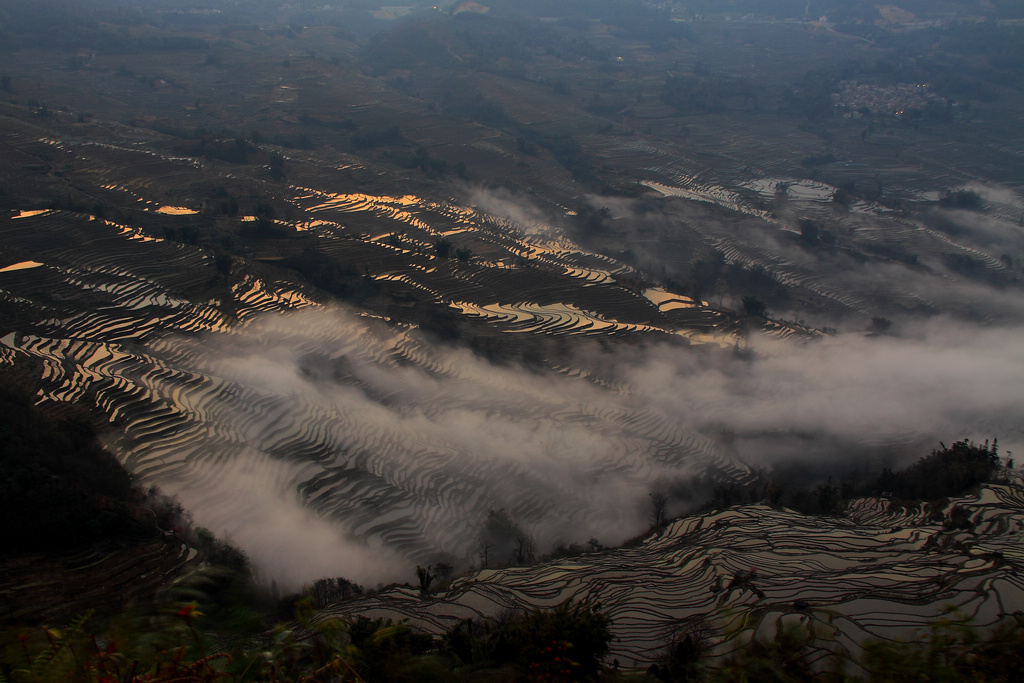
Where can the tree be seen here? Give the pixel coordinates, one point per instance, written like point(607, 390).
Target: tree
point(787, 657)
point(425, 578)
point(485, 549)
point(659, 502)
point(380, 651)
point(827, 498)
point(505, 538)
point(684, 654)
point(264, 226)
point(276, 166)
point(524, 548)
point(724, 496)
point(842, 196)
point(223, 263)
point(443, 248)
point(264, 210)
point(961, 199)
point(809, 233)
point(754, 307)
point(60, 490)
point(880, 325)
point(948, 471)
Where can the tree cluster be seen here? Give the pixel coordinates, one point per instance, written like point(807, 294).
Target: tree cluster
point(961, 199)
point(567, 643)
point(344, 281)
point(946, 472)
point(502, 540)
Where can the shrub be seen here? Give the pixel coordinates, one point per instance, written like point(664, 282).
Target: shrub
point(566, 643)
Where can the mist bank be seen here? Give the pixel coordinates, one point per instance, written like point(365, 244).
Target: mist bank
point(941, 380)
point(336, 445)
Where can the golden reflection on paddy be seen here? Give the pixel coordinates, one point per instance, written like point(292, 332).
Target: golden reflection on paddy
point(667, 301)
point(24, 265)
point(29, 214)
point(175, 211)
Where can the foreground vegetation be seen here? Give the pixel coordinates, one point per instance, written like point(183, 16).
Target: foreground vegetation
point(567, 643)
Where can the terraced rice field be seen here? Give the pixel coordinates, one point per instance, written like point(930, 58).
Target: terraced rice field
point(376, 460)
point(288, 423)
point(909, 269)
point(358, 425)
point(520, 283)
point(751, 571)
point(361, 427)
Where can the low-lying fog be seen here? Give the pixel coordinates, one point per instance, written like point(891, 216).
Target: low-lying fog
point(325, 457)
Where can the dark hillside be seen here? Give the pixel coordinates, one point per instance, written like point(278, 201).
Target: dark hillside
point(60, 490)
point(77, 536)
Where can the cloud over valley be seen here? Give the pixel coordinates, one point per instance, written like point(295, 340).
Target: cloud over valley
point(325, 443)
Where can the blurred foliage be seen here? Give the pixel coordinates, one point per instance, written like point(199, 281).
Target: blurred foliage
point(950, 652)
point(568, 643)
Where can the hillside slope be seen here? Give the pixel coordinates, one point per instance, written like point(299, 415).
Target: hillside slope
point(751, 571)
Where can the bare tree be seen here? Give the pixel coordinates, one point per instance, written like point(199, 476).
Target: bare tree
point(524, 548)
point(685, 651)
point(659, 501)
point(484, 549)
